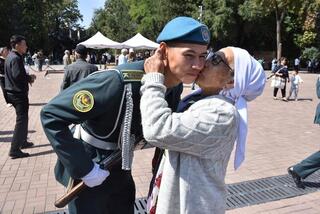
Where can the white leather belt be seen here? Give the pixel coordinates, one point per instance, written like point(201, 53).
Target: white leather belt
point(89, 139)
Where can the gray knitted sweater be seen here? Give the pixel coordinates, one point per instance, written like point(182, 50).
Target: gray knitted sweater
point(199, 143)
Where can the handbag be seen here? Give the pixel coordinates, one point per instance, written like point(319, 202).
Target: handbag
point(277, 82)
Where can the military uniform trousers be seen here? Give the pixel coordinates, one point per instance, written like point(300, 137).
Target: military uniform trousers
point(115, 195)
point(20, 103)
point(308, 165)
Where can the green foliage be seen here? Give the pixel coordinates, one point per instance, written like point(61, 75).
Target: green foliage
point(218, 17)
point(306, 39)
point(290, 17)
point(250, 24)
point(43, 22)
point(251, 10)
point(114, 21)
point(312, 53)
point(151, 16)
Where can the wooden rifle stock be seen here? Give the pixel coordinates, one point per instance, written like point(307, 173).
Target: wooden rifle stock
point(107, 164)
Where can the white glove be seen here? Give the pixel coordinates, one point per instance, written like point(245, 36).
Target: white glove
point(96, 176)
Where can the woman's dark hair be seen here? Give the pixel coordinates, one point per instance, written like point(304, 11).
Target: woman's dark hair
point(284, 59)
point(16, 39)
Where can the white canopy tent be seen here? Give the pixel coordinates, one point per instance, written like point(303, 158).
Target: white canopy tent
point(140, 42)
point(99, 41)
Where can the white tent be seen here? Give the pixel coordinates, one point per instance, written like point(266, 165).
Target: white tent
point(99, 41)
point(140, 42)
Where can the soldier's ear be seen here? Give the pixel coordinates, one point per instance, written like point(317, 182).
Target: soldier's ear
point(164, 49)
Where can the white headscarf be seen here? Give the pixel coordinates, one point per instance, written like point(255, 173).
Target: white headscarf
point(249, 82)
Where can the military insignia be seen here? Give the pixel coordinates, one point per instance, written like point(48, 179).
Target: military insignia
point(205, 34)
point(132, 75)
point(83, 101)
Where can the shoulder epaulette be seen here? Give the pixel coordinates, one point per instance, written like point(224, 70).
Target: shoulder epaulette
point(132, 75)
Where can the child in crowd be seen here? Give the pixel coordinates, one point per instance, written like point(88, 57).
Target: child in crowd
point(296, 80)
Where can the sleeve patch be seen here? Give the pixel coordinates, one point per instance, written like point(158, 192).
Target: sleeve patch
point(83, 101)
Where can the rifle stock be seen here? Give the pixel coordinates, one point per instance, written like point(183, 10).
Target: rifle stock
point(67, 197)
point(107, 163)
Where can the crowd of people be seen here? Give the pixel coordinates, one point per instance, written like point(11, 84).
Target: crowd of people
point(280, 79)
point(97, 114)
point(104, 59)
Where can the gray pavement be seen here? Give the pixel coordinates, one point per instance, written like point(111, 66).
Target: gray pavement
point(280, 134)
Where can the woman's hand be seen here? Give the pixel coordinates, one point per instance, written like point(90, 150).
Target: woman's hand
point(154, 64)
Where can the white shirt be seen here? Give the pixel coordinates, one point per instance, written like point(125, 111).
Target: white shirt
point(296, 80)
point(122, 59)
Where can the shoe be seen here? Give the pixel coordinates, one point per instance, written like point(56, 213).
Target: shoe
point(9, 105)
point(18, 154)
point(275, 98)
point(296, 178)
point(27, 145)
point(284, 99)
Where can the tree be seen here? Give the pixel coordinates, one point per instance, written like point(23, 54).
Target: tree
point(311, 53)
point(252, 9)
point(41, 21)
point(114, 21)
point(309, 26)
point(150, 16)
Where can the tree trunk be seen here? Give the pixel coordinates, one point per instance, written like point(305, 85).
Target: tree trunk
point(279, 45)
point(279, 19)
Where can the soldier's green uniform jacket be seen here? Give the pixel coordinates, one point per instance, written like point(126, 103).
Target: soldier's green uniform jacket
point(95, 103)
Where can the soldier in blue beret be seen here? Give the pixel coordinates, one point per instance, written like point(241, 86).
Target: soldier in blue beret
point(106, 107)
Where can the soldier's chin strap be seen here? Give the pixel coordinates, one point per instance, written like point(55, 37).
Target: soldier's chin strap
point(126, 137)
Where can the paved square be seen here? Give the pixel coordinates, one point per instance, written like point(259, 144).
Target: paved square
point(280, 134)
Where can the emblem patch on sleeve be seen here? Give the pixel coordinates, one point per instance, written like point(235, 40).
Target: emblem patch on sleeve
point(83, 101)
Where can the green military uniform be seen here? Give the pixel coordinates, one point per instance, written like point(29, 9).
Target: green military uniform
point(96, 103)
point(312, 163)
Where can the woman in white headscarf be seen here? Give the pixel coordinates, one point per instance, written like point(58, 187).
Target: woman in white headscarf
point(199, 140)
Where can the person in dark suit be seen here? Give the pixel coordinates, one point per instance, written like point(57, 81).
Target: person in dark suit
point(106, 105)
point(3, 54)
point(79, 69)
point(312, 163)
point(17, 87)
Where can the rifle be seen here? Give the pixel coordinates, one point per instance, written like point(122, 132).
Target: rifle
point(107, 163)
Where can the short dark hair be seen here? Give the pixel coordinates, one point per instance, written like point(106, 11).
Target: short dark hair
point(16, 39)
point(284, 59)
point(82, 51)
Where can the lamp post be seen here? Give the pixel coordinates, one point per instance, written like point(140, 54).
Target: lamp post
point(200, 13)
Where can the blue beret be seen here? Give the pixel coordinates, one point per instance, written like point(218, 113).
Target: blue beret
point(185, 29)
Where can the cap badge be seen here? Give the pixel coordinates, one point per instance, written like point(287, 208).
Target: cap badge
point(205, 34)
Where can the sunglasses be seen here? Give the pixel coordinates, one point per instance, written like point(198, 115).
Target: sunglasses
point(216, 59)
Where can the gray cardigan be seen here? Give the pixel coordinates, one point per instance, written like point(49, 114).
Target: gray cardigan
point(199, 143)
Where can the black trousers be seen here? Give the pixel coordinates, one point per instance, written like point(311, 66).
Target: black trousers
point(116, 195)
point(3, 90)
point(308, 165)
point(21, 106)
point(283, 91)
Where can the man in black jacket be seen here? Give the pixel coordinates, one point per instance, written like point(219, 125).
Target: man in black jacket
point(3, 54)
point(17, 88)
